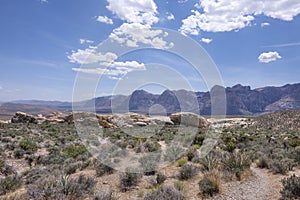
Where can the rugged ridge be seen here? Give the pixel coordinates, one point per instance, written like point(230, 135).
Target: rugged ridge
point(240, 100)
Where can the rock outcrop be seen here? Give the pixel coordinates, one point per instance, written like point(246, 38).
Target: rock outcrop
point(189, 119)
point(21, 117)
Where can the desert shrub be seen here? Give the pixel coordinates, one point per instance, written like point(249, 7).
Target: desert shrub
point(166, 193)
point(263, 162)
point(160, 178)
point(129, 179)
point(2, 163)
point(72, 151)
point(210, 184)
point(71, 168)
point(210, 162)
point(180, 186)
point(109, 195)
point(6, 169)
point(187, 171)
point(291, 188)
point(230, 147)
point(33, 175)
point(28, 144)
point(182, 161)
point(151, 146)
point(191, 153)
point(102, 169)
point(173, 153)
point(9, 184)
point(149, 164)
point(19, 153)
point(236, 163)
point(296, 155)
point(295, 142)
point(279, 167)
point(63, 188)
point(199, 138)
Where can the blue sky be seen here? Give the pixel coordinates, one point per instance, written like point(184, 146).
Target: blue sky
point(46, 44)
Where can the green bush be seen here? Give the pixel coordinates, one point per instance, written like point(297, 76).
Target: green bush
point(72, 151)
point(187, 171)
point(166, 193)
point(182, 161)
point(28, 144)
point(291, 188)
point(230, 147)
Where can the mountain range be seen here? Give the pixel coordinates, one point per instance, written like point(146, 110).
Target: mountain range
point(240, 100)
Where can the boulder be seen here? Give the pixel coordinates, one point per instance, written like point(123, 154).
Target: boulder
point(189, 119)
point(104, 121)
point(21, 117)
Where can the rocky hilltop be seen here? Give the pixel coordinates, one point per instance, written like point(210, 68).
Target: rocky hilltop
point(112, 120)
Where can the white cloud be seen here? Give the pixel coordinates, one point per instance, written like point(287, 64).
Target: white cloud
point(104, 19)
point(206, 40)
point(1, 88)
point(182, 1)
point(44, 1)
point(90, 56)
point(228, 15)
point(265, 24)
point(170, 17)
point(114, 70)
point(134, 33)
point(132, 11)
point(269, 57)
point(85, 41)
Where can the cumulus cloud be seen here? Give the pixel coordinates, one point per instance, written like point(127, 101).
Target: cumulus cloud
point(104, 19)
point(265, 24)
point(90, 56)
point(206, 40)
point(228, 15)
point(44, 1)
point(142, 11)
point(114, 70)
point(85, 41)
point(131, 34)
point(269, 57)
point(170, 17)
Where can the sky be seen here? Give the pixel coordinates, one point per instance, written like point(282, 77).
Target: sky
point(51, 49)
